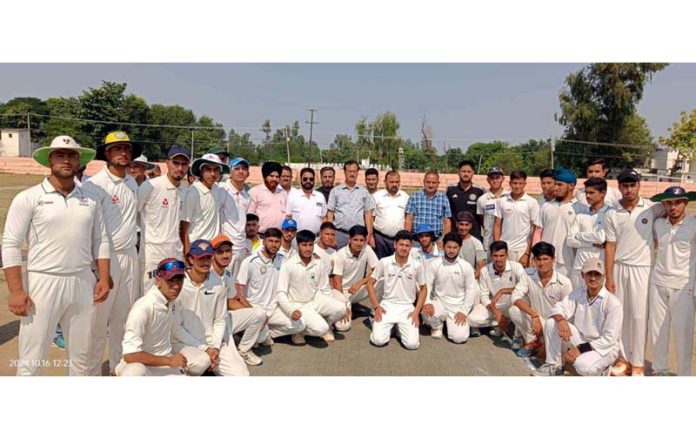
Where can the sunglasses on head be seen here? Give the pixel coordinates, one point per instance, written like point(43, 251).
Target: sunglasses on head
point(173, 265)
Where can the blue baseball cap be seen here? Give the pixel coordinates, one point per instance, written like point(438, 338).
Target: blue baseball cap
point(565, 175)
point(178, 150)
point(424, 228)
point(289, 223)
point(236, 161)
point(201, 248)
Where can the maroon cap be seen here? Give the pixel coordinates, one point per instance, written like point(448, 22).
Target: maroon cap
point(169, 268)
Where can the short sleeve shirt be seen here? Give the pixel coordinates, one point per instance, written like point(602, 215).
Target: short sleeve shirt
point(429, 210)
point(349, 205)
point(401, 283)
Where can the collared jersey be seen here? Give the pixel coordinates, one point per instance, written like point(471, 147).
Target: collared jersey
point(326, 256)
point(426, 259)
point(352, 268)
point(401, 283)
point(119, 202)
point(486, 206)
point(542, 298)
point(65, 233)
point(453, 284)
point(598, 320)
point(308, 211)
point(466, 200)
point(490, 281)
point(259, 276)
point(233, 215)
point(299, 283)
point(201, 312)
point(611, 198)
point(149, 325)
point(269, 207)
point(471, 251)
point(203, 210)
point(349, 205)
point(633, 232)
point(518, 217)
point(675, 261)
point(586, 231)
point(390, 211)
point(160, 204)
point(556, 220)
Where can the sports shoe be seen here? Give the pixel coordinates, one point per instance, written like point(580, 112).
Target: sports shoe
point(250, 358)
point(474, 333)
point(495, 332)
point(517, 343)
point(622, 368)
point(328, 336)
point(59, 341)
point(298, 339)
point(548, 369)
point(343, 326)
point(436, 333)
point(637, 371)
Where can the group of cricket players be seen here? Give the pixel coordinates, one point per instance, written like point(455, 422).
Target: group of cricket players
point(190, 272)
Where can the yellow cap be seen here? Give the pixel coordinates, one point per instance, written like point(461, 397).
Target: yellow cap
point(116, 137)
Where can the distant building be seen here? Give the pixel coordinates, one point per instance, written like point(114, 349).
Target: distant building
point(665, 159)
point(15, 143)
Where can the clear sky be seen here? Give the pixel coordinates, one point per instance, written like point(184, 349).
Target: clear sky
point(463, 103)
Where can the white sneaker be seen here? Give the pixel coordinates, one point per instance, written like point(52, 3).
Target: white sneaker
point(298, 339)
point(495, 332)
point(328, 336)
point(548, 370)
point(436, 333)
point(343, 326)
point(250, 358)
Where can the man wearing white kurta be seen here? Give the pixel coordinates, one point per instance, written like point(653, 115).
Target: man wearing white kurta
point(404, 284)
point(200, 317)
point(116, 191)
point(586, 325)
point(304, 291)
point(160, 204)
point(586, 233)
point(451, 293)
point(629, 233)
point(672, 301)
point(65, 233)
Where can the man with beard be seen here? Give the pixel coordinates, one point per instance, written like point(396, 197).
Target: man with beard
point(464, 196)
point(268, 200)
point(66, 234)
point(306, 206)
point(327, 175)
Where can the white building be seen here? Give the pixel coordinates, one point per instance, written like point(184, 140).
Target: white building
point(15, 143)
point(664, 160)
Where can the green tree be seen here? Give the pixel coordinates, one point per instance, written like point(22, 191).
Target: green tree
point(242, 146)
point(682, 136)
point(163, 137)
point(104, 103)
point(536, 156)
point(341, 150)
point(452, 156)
point(481, 152)
point(509, 159)
point(64, 110)
point(385, 134)
point(13, 114)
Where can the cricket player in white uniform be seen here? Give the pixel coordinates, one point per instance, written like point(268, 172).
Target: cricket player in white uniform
point(288, 247)
point(352, 266)
point(404, 283)
point(428, 250)
point(629, 233)
point(160, 204)
point(598, 169)
point(243, 317)
point(487, 203)
point(304, 291)
point(517, 216)
point(65, 232)
point(536, 296)
point(584, 328)
point(586, 233)
point(325, 247)
point(116, 191)
point(200, 318)
point(202, 215)
point(256, 282)
point(557, 217)
point(451, 294)
point(147, 348)
point(239, 194)
point(672, 302)
point(496, 283)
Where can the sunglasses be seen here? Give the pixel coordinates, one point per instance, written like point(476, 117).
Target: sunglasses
point(307, 179)
point(173, 265)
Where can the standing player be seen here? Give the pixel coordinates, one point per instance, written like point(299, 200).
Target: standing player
point(116, 191)
point(65, 234)
point(598, 169)
point(452, 293)
point(516, 217)
point(547, 178)
point(486, 204)
point(471, 249)
point(235, 210)
point(629, 231)
point(390, 210)
point(404, 284)
point(465, 195)
point(672, 282)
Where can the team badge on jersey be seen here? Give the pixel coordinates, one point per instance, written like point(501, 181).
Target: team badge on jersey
point(472, 196)
point(115, 199)
point(645, 221)
point(263, 269)
point(165, 202)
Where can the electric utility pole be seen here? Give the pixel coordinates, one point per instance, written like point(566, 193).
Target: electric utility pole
point(311, 125)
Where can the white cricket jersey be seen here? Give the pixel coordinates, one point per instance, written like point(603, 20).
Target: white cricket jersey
point(149, 325)
point(160, 204)
point(586, 231)
point(490, 281)
point(633, 232)
point(426, 259)
point(200, 313)
point(611, 198)
point(232, 217)
point(542, 298)
point(351, 268)
point(119, 200)
point(299, 283)
point(259, 276)
point(308, 211)
point(471, 251)
point(282, 251)
point(486, 206)
point(203, 210)
point(518, 217)
point(675, 261)
point(453, 284)
point(390, 211)
point(556, 220)
point(326, 256)
point(599, 321)
point(65, 234)
point(227, 281)
point(401, 283)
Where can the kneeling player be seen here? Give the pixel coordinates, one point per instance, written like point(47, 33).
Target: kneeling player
point(451, 293)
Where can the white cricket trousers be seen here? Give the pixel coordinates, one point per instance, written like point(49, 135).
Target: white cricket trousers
point(632, 290)
point(672, 309)
point(279, 324)
point(445, 314)
point(395, 314)
point(590, 363)
point(249, 320)
point(481, 317)
point(319, 313)
point(110, 316)
point(136, 369)
point(349, 299)
point(64, 299)
point(231, 362)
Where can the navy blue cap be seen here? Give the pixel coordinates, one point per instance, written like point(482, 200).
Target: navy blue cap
point(674, 192)
point(178, 150)
point(201, 248)
point(628, 175)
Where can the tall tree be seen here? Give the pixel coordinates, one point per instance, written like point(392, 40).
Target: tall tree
point(104, 103)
